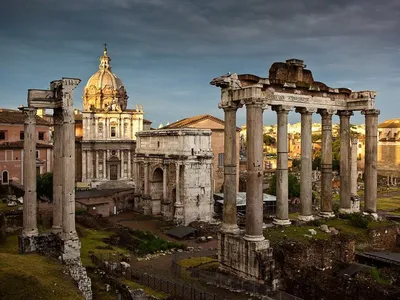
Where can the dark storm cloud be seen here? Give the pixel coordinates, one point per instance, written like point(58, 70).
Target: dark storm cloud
point(166, 51)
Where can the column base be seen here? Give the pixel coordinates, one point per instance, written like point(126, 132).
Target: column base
point(326, 214)
point(56, 230)
point(374, 215)
point(281, 222)
point(305, 218)
point(253, 238)
point(230, 228)
point(345, 210)
point(30, 233)
point(70, 247)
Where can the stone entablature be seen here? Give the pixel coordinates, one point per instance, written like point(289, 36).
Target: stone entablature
point(173, 171)
point(185, 142)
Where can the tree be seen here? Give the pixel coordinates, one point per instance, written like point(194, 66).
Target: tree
point(293, 186)
point(335, 157)
point(268, 140)
point(44, 186)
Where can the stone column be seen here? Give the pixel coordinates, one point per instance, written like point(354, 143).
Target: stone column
point(282, 197)
point(165, 179)
point(122, 164)
point(97, 165)
point(345, 201)
point(68, 128)
point(326, 163)
point(353, 167)
point(178, 216)
point(84, 163)
point(129, 165)
point(30, 197)
point(229, 224)
point(96, 130)
point(371, 168)
point(58, 172)
point(146, 178)
point(306, 164)
point(105, 164)
point(106, 131)
point(254, 193)
point(89, 165)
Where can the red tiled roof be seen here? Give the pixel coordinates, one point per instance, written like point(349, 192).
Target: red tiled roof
point(20, 144)
point(8, 116)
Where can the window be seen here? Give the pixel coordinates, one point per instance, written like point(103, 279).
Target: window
point(9, 155)
point(220, 159)
point(21, 135)
point(113, 134)
point(41, 136)
point(37, 154)
point(3, 134)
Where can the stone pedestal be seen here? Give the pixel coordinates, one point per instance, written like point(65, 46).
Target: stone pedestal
point(246, 259)
point(70, 247)
point(146, 199)
point(178, 215)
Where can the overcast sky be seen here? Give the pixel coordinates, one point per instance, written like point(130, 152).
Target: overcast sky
point(167, 51)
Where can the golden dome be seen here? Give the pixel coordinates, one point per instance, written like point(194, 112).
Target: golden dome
point(104, 91)
point(393, 123)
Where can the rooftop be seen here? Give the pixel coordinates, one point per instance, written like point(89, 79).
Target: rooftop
point(10, 116)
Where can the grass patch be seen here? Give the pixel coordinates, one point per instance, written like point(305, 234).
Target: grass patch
point(293, 216)
point(92, 241)
point(195, 262)
point(5, 208)
point(293, 233)
point(379, 277)
point(147, 290)
point(388, 204)
point(32, 276)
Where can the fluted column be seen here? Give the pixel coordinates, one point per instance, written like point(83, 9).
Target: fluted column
point(68, 128)
point(371, 168)
point(254, 192)
point(97, 164)
point(345, 201)
point(282, 196)
point(353, 167)
point(229, 224)
point(326, 163)
point(58, 172)
point(122, 164)
point(306, 164)
point(30, 197)
point(105, 164)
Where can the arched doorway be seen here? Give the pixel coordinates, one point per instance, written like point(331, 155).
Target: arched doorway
point(4, 177)
point(114, 167)
point(156, 190)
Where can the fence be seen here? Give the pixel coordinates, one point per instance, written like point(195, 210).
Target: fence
point(231, 282)
point(112, 265)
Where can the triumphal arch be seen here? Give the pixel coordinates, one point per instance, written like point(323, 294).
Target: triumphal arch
point(289, 87)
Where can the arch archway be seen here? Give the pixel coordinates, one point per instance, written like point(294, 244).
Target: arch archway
point(156, 190)
point(5, 177)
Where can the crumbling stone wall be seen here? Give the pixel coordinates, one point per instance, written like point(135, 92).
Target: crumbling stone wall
point(386, 238)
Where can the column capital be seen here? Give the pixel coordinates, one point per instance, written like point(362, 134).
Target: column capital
point(368, 112)
point(345, 113)
point(281, 109)
point(30, 114)
point(254, 102)
point(230, 106)
point(306, 110)
point(327, 113)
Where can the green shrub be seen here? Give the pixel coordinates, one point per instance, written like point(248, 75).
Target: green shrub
point(358, 220)
point(378, 277)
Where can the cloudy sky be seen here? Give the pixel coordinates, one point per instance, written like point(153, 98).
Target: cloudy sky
point(167, 51)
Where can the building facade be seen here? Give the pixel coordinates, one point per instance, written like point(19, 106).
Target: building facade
point(173, 168)
point(12, 146)
point(216, 126)
point(389, 148)
point(106, 129)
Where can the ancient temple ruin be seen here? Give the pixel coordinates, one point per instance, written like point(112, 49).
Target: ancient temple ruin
point(63, 240)
point(289, 87)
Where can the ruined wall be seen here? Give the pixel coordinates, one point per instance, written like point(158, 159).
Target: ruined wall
point(385, 238)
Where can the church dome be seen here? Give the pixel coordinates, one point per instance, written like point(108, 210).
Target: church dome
point(104, 91)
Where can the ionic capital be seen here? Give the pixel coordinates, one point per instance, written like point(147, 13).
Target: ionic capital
point(306, 110)
point(345, 113)
point(30, 115)
point(230, 106)
point(370, 112)
point(327, 113)
point(281, 109)
point(254, 102)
